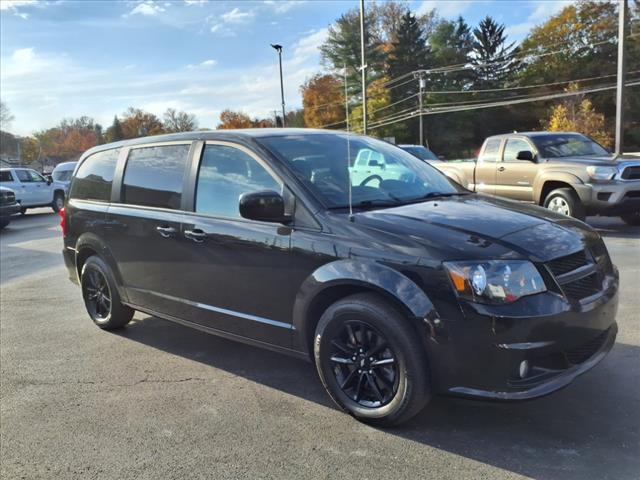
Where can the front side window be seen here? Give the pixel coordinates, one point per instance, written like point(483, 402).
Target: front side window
point(35, 176)
point(226, 173)
point(94, 177)
point(153, 176)
point(511, 149)
point(326, 163)
point(6, 176)
point(23, 176)
point(62, 175)
point(490, 152)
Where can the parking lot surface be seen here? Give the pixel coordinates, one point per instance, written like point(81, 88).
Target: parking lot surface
point(158, 400)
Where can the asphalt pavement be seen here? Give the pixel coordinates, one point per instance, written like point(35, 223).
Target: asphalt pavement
point(159, 400)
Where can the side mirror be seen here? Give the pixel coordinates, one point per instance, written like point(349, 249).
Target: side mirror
point(525, 155)
point(265, 206)
point(49, 180)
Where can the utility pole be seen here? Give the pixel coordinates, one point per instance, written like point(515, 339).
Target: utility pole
point(278, 48)
point(622, 33)
point(422, 82)
point(363, 70)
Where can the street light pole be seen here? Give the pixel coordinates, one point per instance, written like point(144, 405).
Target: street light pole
point(278, 48)
point(363, 70)
point(622, 24)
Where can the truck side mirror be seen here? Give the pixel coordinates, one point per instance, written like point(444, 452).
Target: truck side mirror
point(525, 155)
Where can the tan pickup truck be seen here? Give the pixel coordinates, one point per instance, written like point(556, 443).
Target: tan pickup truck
point(565, 172)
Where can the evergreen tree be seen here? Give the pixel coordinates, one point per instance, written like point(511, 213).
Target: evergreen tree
point(451, 43)
point(493, 58)
point(342, 47)
point(114, 132)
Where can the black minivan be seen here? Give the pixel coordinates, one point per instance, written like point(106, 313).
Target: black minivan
point(398, 284)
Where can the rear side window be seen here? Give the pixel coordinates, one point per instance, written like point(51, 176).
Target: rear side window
point(153, 176)
point(225, 174)
point(23, 176)
point(94, 177)
point(490, 152)
point(6, 176)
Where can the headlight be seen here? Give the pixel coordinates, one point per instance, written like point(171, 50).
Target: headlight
point(601, 173)
point(495, 281)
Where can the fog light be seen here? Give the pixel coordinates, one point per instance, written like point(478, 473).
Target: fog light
point(523, 370)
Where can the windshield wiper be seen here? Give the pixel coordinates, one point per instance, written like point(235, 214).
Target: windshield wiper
point(373, 203)
point(431, 195)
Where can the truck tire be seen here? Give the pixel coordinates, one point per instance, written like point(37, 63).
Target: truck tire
point(565, 201)
point(631, 218)
point(370, 360)
point(58, 202)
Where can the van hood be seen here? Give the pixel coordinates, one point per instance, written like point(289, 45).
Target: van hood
point(479, 226)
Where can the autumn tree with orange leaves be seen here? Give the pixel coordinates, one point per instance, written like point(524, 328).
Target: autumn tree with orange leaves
point(323, 101)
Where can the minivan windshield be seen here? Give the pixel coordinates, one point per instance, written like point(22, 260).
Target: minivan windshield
point(381, 174)
point(568, 145)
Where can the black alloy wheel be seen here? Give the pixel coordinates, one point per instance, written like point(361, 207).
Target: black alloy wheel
point(364, 365)
point(97, 294)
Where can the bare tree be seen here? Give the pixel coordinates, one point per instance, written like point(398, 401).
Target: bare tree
point(175, 121)
point(5, 116)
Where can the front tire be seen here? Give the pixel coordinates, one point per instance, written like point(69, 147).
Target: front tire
point(631, 218)
point(101, 297)
point(566, 202)
point(371, 361)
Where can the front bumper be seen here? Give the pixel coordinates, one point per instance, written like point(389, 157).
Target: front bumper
point(481, 354)
point(610, 198)
point(9, 209)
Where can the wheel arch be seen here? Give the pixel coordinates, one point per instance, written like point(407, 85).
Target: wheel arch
point(547, 183)
point(90, 244)
point(342, 278)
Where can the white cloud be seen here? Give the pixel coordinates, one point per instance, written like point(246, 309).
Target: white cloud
point(206, 64)
point(23, 55)
point(148, 8)
point(13, 4)
point(283, 6)
point(544, 10)
point(447, 9)
point(216, 27)
point(236, 16)
point(308, 47)
point(195, 2)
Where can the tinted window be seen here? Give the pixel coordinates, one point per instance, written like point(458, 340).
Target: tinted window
point(490, 153)
point(567, 145)
point(23, 176)
point(6, 176)
point(94, 176)
point(511, 149)
point(225, 174)
point(154, 175)
point(62, 175)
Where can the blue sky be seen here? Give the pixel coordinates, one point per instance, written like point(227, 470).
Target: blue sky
point(68, 58)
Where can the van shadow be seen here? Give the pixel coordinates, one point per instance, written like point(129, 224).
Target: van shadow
point(589, 430)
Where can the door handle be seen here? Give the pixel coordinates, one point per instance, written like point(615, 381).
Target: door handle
point(501, 169)
point(165, 230)
point(196, 235)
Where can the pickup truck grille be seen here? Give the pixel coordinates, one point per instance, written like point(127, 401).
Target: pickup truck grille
point(631, 172)
point(7, 197)
point(580, 274)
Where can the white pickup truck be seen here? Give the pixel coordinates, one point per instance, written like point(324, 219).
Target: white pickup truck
point(32, 189)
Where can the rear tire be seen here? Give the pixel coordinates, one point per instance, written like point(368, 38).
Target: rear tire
point(101, 297)
point(388, 382)
point(58, 202)
point(566, 202)
point(631, 218)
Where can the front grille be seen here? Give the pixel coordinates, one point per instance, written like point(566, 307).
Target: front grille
point(582, 353)
point(633, 194)
point(7, 197)
point(631, 173)
point(569, 263)
point(582, 288)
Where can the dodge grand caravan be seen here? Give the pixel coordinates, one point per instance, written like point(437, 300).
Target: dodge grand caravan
point(397, 288)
